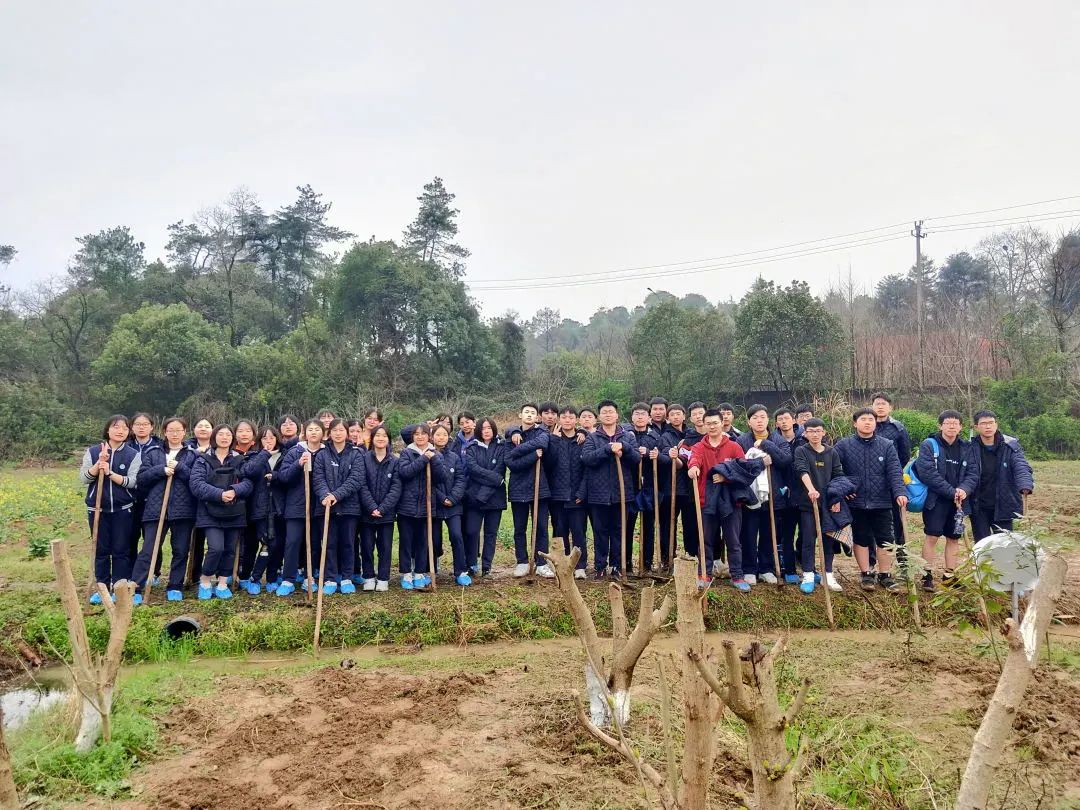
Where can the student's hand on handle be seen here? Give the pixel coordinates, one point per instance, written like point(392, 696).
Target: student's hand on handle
point(515, 439)
point(169, 471)
point(673, 453)
point(539, 453)
point(694, 472)
point(654, 454)
point(269, 476)
point(642, 450)
point(767, 459)
point(961, 496)
point(305, 458)
point(228, 496)
point(813, 495)
point(429, 454)
point(616, 448)
point(329, 500)
point(447, 502)
point(170, 464)
point(901, 501)
point(835, 508)
point(1025, 492)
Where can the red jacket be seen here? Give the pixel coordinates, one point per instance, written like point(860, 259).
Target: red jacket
point(704, 456)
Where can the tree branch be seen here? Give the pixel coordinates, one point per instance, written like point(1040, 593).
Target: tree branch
point(796, 705)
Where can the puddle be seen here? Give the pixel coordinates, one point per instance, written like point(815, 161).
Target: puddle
point(19, 704)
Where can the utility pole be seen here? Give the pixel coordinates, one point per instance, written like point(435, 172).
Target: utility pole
point(918, 234)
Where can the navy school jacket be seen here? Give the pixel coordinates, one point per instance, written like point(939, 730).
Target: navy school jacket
point(289, 477)
point(486, 486)
point(931, 472)
point(894, 430)
point(874, 468)
point(672, 438)
point(651, 438)
point(380, 487)
point(266, 493)
point(1014, 475)
point(777, 447)
point(521, 461)
point(151, 480)
point(141, 449)
point(411, 466)
point(123, 461)
point(452, 486)
point(209, 479)
point(563, 468)
point(338, 474)
point(601, 479)
point(736, 490)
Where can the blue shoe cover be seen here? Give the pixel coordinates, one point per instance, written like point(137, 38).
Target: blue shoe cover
point(329, 588)
point(741, 585)
point(95, 598)
point(807, 587)
point(407, 584)
point(205, 592)
point(253, 588)
point(175, 596)
point(464, 579)
point(791, 579)
point(136, 599)
point(285, 589)
point(348, 587)
point(222, 593)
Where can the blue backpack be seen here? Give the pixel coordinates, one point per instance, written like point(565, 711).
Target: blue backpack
point(916, 489)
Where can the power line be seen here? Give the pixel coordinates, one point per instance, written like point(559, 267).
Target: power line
point(1005, 208)
point(1018, 220)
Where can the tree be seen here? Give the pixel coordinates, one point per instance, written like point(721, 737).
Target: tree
point(658, 348)
point(75, 320)
point(511, 339)
point(543, 325)
point(7, 254)
point(109, 260)
point(963, 280)
point(430, 237)
point(1059, 280)
point(155, 358)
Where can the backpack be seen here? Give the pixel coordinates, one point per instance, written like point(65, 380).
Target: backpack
point(916, 489)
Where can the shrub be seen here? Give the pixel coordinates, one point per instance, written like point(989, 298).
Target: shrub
point(919, 425)
point(35, 425)
point(1050, 436)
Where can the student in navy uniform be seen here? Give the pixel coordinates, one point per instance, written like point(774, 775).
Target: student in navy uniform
point(359, 436)
point(1005, 477)
point(787, 483)
point(756, 532)
point(246, 445)
point(289, 430)
point(265, 508)
point(221, 482)
point(372, 419)
point(871, 463)
point(816, 466)
point(566, 477)
point(448, 495)
point(677, 443)
point(669, 437)
point(587, 419)
point(549, 415)
point(380, 491)
point(119, 461)
point(200, 443)
point(521, 459)
point(413, 562)
point(172, 460)
point(803, 413)
point(326, 417)
point(893, 430)
point(466, 434)
point(485, 496)
point(290, 476)
point(727, 414)
point(949, 466)
point(608, 445)
point(335, 479)
point(648, 442)
point(142, 439)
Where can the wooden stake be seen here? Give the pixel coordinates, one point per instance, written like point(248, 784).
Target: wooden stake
point(700, 532)
point(92, 584)
point(9, 796)
point(622, 518)
point(772, 529)
point(656, 508)
point(816, 505)
point(307, 527)
point(322, 575)
point(671, 532)
point(430, 538)
point(157, 539)
point(535, 520)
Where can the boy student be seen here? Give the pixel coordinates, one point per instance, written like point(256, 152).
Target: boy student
point(658, 407)
point(610, 444)
point(871, 463)
point(549, 415)
point(804, 413)
point(521, 460)
point(893, 430)
point(466, 434)
point(727, 413)
point(756, 531)
point(696, 413)
point(566, 477)
point(648, 441)
point(787, 483)
point(815, 466)
point(949, 466)
point(1005, 477)
point(677, 443)
point(715, 448)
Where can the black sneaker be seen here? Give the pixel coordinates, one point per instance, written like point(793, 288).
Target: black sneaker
point(928, 582)
point(948, 580)
point(867, 581)
point(887, 582)
point(599, 575)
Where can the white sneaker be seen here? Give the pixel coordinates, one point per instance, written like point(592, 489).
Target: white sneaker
point(579, 573)
point(830, 580)
point(768, 578)
point(521, 570)
point(750, 579)
point(545, 572)
point(407, 577)
point(369, 585)
point(716, 566)
point(382, 585)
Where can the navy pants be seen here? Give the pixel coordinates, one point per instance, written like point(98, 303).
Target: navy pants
point(722, 534)
point(249, 549)
point(984, 525)
point(787, 521)
point(521, 512)
point(457, 541)
point(808, 552)
point(684, 509)
point(179, 540)
point(340, 548)
point(295, 548)
point(220, 550)
point(476, 520)
point(606, 536)
point(271, 549)
point(569, 522)
point(376, 538)
point(412, 545)
point(112, 561)
point(756, 534)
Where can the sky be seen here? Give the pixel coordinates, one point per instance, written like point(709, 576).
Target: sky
point(579, 138)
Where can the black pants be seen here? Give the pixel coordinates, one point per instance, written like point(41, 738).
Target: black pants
point(376, 538)
point(870, 527)
point(112, 561)
point(340, 548)
point(457, 541)
point(179, 540)
point(412, 545)
point(808, 552)
point(198, 549)
point(756, 532)
point(724, 533)
point(684, 509)
point(220, 550)
point(606, 534)
point(271, 549)
point(488, 520)
point(137, 526)
point(249, 549)
point(569, 522)
point(295, 556)
point(984, 525)
point(787, 521)
point(521, 511)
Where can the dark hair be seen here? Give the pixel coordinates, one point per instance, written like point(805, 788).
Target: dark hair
point(250, 424)
point(217, 431)
point(354, 423)
point(421, 428)
point(862, 412)
point(881, 395)
point(203, 419)
point(465, 415)
point(658, 401)
point(813, 422)
point(695, 405)
point(288, 417)
point(639, 406)
point(487, 421)
point(334, 423)
point(144, 415)
point(805, 407)
point(753, 409)
point(712, 412)
point(441, 416)
point(586, 409)
point(606, 403)
point(273, 431)
point(548, 406)
point(980, 415)
point(781, 412)
point(528, 405)
point(675, 406)
point(308, 424)
point(327, 412)
point(568, 409)
point(950, 415)
point(436, 429)
point(172, 419)
point(376, 411)
point(116, 417)
point(726, 406)
point(389, 438)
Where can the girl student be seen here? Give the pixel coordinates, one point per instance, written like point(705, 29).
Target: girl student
point(372, 418)
point(413, 506)
point(380, 491)
point(200, 443)
point(171, 460)
point(336, 483)
point(326, 417)
point(119, 463)
point(448, 495)
point(246, 445)
point(142, 439)
point(359, 435)
point(264, 514)
point(221, 482)
point(289, 430)
point(290, 475)
point(485, 495)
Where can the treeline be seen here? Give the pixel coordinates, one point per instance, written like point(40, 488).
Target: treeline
point(254, 312)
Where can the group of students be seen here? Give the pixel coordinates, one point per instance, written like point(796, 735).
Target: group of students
point(252, 500)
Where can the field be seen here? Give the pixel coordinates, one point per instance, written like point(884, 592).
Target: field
point(407, 704)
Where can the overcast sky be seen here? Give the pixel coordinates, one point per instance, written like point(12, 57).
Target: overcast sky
point(579, 138)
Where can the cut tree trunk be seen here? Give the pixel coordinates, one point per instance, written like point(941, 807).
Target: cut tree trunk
point(1024, 642)
point(9, 797)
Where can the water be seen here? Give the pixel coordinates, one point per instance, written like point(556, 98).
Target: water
point(19, 704)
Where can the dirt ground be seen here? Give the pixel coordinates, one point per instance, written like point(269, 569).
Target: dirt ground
point(496, 728)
